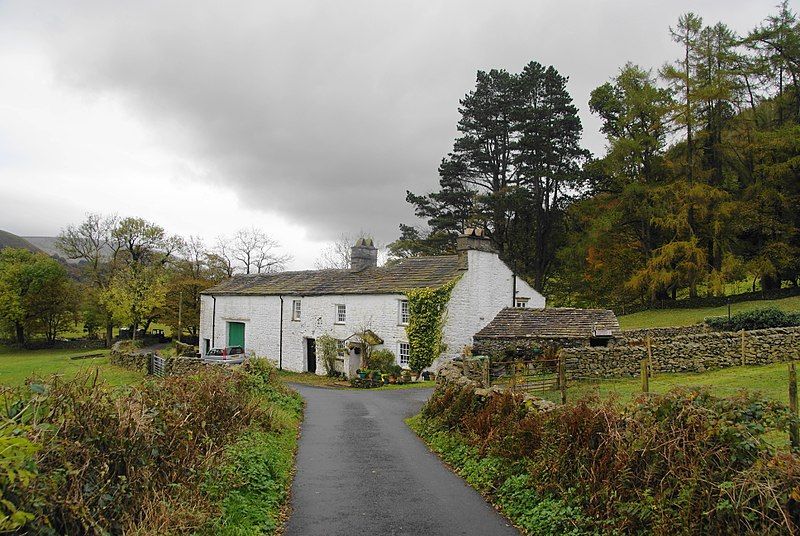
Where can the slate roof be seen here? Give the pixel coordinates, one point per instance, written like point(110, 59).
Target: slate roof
point(549, 323)
point(416, 272)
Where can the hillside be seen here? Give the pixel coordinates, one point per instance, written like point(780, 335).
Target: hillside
point(10, 240)
point(687, 317)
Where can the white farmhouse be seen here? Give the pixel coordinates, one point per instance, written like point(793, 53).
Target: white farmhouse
point(281, 315)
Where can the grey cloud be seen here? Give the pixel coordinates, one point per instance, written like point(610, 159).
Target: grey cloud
point(327, 112)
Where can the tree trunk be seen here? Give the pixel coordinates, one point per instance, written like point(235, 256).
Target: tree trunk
point(19, 333)
point(109, 334)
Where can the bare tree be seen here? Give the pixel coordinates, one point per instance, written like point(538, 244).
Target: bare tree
point(221, 258)
point(256, 251)
point(336, 255)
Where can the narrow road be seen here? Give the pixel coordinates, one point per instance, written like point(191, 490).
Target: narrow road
point(361, 470)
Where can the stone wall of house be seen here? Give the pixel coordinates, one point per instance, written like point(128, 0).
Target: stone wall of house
point(687, 353)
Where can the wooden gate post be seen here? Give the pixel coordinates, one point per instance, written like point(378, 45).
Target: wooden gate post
point(562, 377)
point(487, 379)
point(645, 378)
point(794, 432)
point(742, 347)
point(649, 354)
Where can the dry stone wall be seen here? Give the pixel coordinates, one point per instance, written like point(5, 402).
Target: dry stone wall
point(658, 333)
point(687, 353)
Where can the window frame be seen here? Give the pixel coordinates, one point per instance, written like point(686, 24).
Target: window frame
point(521, 303)
point(400, 321)
point(400, 353)
point(341, 314)
point(297, 310)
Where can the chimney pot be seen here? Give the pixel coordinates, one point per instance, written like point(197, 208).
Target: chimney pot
point(363, 255)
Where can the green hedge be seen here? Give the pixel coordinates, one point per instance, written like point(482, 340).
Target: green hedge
point(768, 317)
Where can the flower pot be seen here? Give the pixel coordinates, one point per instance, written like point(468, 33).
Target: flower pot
point(362, 375)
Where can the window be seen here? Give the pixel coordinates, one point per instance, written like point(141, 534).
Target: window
point(295, 309)
point(341, 313)
point(404, 353)
point(341, 349)
point(402, 312)
point(521, 302)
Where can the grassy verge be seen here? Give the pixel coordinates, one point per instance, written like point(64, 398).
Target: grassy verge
point(204, 453)
point(686, 317)
point(503, 482)
point(684, 462)
point(254, 480)
point(18, 365)
point(306, 378)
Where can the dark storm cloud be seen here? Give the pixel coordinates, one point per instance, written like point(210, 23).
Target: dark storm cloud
point(327, 112)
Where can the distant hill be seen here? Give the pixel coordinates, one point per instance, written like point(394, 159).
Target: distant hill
point(48, 245)
point(10, 240)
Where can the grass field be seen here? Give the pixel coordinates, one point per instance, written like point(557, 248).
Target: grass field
point(770, 380)
point(18, 365)
point(687, 317)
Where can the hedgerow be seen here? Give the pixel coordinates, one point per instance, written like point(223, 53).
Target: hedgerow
point(683, 462)
point(768, 317)
point(141, 461)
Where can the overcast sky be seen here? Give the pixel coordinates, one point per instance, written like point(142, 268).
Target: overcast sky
point(308, 119)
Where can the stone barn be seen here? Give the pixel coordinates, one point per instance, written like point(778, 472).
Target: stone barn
point(519, 331)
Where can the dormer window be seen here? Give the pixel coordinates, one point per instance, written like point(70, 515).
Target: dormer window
point(521, 302)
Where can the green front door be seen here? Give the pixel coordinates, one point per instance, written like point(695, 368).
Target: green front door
point(236, 334)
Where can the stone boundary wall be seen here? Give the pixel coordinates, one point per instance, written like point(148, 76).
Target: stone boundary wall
point(687, 353)
point(657, 333)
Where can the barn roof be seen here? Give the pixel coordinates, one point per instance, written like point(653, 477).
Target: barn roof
point(407, 274)
point(549, 323)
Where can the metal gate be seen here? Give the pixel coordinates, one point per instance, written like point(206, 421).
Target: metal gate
point(157, 365)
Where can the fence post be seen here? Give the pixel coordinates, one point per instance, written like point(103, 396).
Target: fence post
point(645, 378)
point(742, 347)
point(562, 377)
point(794, 432)
point(650, 353)
point(487, 379)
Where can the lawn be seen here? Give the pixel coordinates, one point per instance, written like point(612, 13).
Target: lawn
point(770, 380)
point(18, 365)
point(686, 317)
point(316, 380)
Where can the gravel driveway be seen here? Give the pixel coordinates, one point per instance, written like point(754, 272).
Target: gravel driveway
point(361, 470)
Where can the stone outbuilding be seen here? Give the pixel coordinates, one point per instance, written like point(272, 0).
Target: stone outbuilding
point(518, 330)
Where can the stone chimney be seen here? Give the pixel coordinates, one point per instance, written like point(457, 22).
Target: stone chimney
point(472, 239)
point(363, 255)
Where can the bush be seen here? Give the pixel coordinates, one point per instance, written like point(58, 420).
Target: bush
point(330, 352)
point(769, 317)
point(111, 462)
point(683, 462)
point(381, 359)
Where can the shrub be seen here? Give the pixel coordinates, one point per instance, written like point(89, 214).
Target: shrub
point(330, 352)
point(769, 317)
point(111, 461)
point(683, 462)
point(381, 359)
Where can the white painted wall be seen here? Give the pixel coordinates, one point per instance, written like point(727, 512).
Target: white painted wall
point(261, 316)
point(482, 291)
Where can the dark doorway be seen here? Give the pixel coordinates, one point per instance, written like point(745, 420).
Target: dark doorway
point(311, 355)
